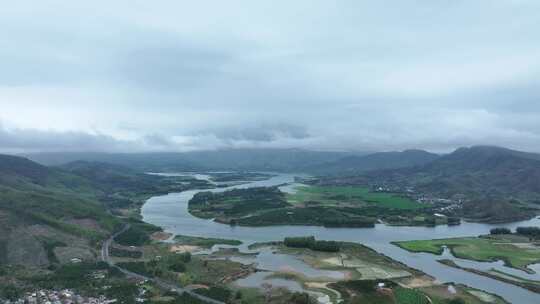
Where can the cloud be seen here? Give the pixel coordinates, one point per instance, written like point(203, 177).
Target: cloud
point(31, 140)
point(176, 76)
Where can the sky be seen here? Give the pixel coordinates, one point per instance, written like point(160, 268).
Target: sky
point(144, 76)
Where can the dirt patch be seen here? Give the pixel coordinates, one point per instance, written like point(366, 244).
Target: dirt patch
point(375, 272)
point(526, 246)
point(42, 231)
point(161, 236)
point(25, 249)
point(418, 282)
point(484, 297)
point(335, 261)
point(323, 286)
point(65, 254)
point(184, 248)
point(369, 271)
point(197, 286)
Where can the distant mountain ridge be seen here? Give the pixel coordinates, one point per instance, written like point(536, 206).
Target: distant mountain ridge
point(375, 161)
point(279, 160)
point(477, 170)
point(13, 165)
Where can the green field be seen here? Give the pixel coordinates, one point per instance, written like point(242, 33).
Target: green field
point(331, 195)
point(514, 252)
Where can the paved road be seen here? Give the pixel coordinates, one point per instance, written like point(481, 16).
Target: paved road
point(165, 285)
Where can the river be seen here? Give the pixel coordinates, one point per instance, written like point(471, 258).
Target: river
point(170, 212)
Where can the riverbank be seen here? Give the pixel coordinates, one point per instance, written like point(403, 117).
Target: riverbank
point(533, 286)
point(516, 251)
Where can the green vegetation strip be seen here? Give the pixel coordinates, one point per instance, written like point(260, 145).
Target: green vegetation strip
point(204, 242)
point(478, 249)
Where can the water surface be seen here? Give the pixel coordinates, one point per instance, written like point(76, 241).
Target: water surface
point(170, 212)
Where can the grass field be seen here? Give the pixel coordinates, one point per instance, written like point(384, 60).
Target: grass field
point(354, 195)
point(409, 296)
point(483, 249)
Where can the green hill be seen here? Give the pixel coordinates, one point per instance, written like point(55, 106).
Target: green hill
point(47, 214)
point(476, 172)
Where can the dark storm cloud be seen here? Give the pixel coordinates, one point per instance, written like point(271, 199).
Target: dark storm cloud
point(173, 75)
point(261, 133)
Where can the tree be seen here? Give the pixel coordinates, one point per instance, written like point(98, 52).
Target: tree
point(9, 292)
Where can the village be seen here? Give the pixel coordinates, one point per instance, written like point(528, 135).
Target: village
point(64, 296)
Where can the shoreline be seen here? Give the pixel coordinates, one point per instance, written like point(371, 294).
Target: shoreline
point(531, 287)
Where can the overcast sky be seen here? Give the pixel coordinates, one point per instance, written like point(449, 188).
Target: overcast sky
point(326, 75)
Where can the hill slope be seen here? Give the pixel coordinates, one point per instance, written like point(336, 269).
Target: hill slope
point(475, 171)
point(52, 214)
point(46, 214)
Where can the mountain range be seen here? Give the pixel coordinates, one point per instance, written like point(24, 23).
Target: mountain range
point(474, 171)
point(277, 160)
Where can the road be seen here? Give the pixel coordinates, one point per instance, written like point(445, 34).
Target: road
point(165, 285)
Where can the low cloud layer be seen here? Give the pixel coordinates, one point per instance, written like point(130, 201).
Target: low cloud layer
point(178, 76)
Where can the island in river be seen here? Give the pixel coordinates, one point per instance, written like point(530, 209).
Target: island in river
point(516, 250)
point(313, 205)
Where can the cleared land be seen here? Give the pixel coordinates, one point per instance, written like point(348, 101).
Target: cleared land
point(509, 248)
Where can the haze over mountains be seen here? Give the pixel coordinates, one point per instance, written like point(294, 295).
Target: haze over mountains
point(478, 170)
point(279, 160)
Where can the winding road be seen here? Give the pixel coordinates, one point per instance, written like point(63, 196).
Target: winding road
point(162, 284)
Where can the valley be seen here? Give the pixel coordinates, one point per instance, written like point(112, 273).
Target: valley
point(226, 236)
point(270, 152)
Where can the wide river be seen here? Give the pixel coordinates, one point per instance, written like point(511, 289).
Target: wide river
point(170, 212)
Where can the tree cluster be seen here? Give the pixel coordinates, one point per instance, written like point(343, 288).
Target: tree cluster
point(532, 232)
point(500, 231)
point(311, 243)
